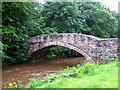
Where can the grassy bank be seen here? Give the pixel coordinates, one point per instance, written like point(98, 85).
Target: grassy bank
point(87, 76)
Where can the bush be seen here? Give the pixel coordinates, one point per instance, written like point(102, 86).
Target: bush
point(88, 68)
point(34, 83)
point(50, 78)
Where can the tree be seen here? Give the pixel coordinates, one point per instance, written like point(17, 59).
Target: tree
point(102, 22)
point(15, 31)
point(83, 17)
point(22, 21)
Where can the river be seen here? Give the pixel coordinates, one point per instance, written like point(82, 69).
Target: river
point(37, 70)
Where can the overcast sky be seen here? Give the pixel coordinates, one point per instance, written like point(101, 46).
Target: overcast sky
point(112, 4)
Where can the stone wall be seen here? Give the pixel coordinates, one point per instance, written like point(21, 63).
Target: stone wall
point(91, 47)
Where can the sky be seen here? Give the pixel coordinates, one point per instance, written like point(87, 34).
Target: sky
point(112, 4)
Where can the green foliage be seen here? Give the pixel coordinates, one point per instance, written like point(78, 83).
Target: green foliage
point(58, 52)
point(23, 20)
point(81, 77)
point(14, 33)
point(50, 78)
point(83, 17)
point(62, 15)
point(1, 48)
point(51, 56)
point(88, 68)
point(55, 52)
point(14, 85)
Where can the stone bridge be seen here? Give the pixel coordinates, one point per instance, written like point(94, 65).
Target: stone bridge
point(91, 47)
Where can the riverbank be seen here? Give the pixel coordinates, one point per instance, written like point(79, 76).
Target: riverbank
point(88, 76)
point(37, 70)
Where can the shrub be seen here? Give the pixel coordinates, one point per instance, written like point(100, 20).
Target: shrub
point(50, 78)
point(88, 68)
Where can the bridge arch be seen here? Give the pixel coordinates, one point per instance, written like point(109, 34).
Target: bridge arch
point(66, 45)
point(91, 47)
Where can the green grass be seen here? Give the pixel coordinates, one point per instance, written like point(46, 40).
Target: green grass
point(87, 76)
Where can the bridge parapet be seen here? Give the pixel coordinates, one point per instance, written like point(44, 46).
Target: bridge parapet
point(91, 47)
point(106, 49)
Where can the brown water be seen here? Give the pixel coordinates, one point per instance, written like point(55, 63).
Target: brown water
point(37, 70)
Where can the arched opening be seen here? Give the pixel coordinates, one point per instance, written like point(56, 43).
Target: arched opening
point(55, 52)
point(58, 50)
point(61, 58)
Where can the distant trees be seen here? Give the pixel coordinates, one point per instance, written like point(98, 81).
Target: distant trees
point(20, 21)
point(83, 17)
point(15, 25)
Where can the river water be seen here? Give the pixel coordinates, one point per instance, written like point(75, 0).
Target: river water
point(36, 70)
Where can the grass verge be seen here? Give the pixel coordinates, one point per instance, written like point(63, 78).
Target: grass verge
point(86, 76)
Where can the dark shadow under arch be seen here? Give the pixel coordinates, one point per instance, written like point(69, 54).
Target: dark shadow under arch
point(66, 45)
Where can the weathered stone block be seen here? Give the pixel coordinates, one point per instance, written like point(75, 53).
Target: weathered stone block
point(91, 47)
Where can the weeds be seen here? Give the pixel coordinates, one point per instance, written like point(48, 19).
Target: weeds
point(14, 85)
point(85, 76)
